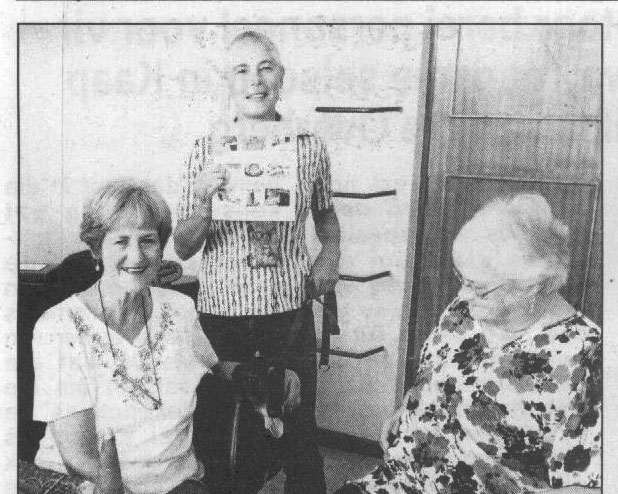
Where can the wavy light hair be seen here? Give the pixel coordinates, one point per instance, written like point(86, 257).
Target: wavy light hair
point(119, 198)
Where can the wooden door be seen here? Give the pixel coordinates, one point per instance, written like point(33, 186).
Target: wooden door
point(514, 108)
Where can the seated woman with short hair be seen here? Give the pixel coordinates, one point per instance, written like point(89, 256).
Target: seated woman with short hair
point(507, 398)
point(117, 365)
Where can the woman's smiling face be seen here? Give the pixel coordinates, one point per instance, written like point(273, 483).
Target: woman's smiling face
point(131, 254)
point(255, 80)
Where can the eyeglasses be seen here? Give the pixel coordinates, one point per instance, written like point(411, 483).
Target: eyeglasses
point(470, 285)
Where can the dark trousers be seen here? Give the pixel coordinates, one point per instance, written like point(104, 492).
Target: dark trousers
point(238, 339)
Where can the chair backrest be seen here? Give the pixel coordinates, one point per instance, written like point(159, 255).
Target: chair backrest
point(77, 272)
point(74, 274)
point(229, 438)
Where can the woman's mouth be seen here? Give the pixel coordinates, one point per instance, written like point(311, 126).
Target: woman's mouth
point(136, 270)
point(257, 96)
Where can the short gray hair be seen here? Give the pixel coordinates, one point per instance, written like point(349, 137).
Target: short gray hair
point(261, 39)
point(519, 237)
point(116, 198)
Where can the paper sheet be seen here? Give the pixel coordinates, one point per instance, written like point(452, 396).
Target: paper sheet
point(262, 176)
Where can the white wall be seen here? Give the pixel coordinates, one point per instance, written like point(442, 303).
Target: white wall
point(102, 101)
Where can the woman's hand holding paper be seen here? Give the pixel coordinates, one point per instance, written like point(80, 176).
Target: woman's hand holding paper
point(211, 181)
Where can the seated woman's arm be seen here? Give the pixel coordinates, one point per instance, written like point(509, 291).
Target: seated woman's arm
point(575, 460)
point(76, 438)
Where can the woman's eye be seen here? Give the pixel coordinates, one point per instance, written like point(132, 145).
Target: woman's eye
point(267, 68)
point(121, 241)
point(241, 71)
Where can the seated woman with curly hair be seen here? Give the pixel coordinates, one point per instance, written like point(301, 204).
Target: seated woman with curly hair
point(507, 399)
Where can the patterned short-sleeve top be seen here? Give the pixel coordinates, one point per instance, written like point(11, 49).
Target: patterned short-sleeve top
point(525, 417)
point(228, 286)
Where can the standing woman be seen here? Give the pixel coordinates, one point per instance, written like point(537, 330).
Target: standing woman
point(247, 306)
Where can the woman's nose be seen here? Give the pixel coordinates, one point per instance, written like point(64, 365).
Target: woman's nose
point(134, 252)
point(255, 77)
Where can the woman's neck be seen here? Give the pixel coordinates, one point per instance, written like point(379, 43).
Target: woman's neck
point(544, 311)
point(275, 116)
point(120, 305)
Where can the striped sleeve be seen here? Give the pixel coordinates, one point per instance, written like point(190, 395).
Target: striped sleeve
point(196, 161)
point(322, 190)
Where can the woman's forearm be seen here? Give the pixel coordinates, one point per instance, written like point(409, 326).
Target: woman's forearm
point(191, 233)
point(86, 466)
point(328, 230)
point(76, 439)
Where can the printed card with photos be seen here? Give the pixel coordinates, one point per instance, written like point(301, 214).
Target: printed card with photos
point(262, 176)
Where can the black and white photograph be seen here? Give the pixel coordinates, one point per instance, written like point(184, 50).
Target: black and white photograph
point(426, 318)
point(277, 197)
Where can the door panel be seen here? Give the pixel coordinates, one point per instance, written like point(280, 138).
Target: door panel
point(515, 108)
point(528, 71)
point(543, 149)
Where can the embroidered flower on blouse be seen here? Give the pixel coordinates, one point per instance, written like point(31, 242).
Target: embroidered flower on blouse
point(139, 388)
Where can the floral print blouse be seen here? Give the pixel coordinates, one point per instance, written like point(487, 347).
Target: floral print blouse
point(513, 421)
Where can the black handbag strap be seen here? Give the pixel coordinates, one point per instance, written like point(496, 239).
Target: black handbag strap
point(330, 326)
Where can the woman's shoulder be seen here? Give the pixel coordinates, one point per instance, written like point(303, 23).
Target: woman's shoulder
point(200, 137)
point(456, 319)
point(301, 126)
point(574, 328)
point(292, 125)
point(455, 326)
point(53, 320)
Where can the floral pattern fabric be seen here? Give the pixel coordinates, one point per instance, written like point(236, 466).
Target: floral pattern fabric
point(143, 387)
point(512, 421)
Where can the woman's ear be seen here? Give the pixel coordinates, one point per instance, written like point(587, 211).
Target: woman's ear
point(536, 290)
point(282, 76)
point(96, 254)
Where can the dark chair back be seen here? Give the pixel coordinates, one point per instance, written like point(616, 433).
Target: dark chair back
point(238, 454)
point(74, 274)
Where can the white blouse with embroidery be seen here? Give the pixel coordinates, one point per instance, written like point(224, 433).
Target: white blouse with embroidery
point(75, 370)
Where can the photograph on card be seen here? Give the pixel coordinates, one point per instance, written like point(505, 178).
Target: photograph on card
point(262, 177)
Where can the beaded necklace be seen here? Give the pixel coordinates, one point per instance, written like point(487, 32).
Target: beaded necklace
point(137, 390)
